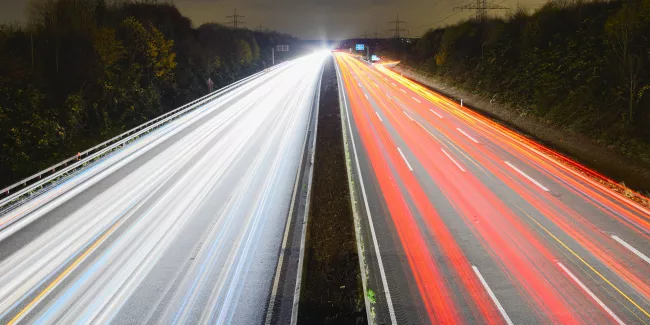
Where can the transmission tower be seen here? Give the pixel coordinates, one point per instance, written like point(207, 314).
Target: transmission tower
point(397, 30)
point(364, 35)
point(235, 20)
point(481, 7)
point(375, 35)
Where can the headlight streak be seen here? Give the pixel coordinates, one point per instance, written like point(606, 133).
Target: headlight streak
point(113, 247)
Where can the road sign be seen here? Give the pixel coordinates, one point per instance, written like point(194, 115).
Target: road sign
point(282, 48)
point(361, 47)
point(375, 58)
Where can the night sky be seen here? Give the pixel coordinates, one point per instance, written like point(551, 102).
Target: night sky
point(316, 19)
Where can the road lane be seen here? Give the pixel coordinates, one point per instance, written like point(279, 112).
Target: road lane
point(477, 196)
point(181, 226)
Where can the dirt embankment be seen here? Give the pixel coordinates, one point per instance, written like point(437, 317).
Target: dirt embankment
point(331, 289)
point(605, 160)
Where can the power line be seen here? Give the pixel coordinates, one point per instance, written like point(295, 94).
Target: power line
point(376, 35)
point(261, 28)
point(368, 36)
point(397, 30)
point(481, 8)
point(235, 20)
point(440, 20)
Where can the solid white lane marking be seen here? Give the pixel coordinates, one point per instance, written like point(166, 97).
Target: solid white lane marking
point(467, 135)
point(388, 96)
point(406, 161)
point(407, 115)
point(287, 226)
point(491, 294)
point(404, 91)
point(452, 159)
point(416, 100)
point(434, 112)
point(394, 85)
point(366, 96)
point(382, 271)
point(591, 294)
point(527, 177)
point(631, 249)
point(380, 120)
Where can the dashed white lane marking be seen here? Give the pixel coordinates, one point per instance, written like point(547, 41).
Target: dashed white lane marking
point(388, 96)
point(380, 120)
point(591, 294)
point(404, 91)
point(394, 85)
point(527, 177)
point(434, 112)
point(408, 116)
point(452, 159)
point(467, 135)
point(366, 96)
point(406, 161)
point(416, 100)
point(491, 294)
point(632, 249)
point(376, 85)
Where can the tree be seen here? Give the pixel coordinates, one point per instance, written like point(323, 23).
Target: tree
point(84, 70)
point(622, 30)
point(244, 53)
point(59, 18)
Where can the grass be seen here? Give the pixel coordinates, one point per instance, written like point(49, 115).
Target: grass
point(331, 292)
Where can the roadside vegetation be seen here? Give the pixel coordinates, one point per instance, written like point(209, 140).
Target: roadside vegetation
point(80, 71)
point(577, 65)
point(332, 292)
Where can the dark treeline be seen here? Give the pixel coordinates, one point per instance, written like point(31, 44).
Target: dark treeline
point(80, 71)
point(583, 66)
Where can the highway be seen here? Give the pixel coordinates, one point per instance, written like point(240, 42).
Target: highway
point(464, 221)
point(183, 226)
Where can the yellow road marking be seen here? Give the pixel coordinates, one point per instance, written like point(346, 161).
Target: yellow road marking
point(586, 264)
point(56, 281)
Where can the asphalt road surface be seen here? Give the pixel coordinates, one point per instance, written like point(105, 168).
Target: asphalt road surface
point(465, 221)
point(183, 226)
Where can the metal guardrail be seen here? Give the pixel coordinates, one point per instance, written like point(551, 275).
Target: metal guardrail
point(31, 185)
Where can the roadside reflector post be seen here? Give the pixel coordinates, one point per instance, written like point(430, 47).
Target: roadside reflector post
point(461, 102)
